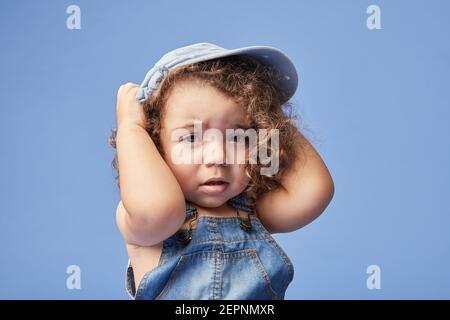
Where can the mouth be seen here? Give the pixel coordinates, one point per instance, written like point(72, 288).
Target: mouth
point(214, 186)
point(214, 182)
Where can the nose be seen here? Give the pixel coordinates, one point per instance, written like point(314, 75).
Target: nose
point(214, 151)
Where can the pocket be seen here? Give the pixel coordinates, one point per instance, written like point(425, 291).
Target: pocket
point(218, 275)
point(259, 268)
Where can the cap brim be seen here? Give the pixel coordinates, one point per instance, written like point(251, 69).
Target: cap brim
point(288, 79)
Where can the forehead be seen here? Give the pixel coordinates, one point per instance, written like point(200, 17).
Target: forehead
point(191, 101)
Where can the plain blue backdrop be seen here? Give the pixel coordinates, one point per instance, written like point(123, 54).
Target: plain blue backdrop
point(374, 103)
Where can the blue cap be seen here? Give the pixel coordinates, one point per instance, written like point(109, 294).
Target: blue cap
point(273, 57)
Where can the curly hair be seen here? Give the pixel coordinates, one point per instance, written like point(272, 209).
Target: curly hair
point(251, 85)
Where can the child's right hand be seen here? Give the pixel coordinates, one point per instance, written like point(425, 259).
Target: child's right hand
point(129, 110)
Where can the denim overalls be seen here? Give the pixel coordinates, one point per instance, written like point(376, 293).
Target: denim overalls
point(224, 258)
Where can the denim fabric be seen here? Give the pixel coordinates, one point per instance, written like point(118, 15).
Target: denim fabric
point(221, 262)
point(287, 77)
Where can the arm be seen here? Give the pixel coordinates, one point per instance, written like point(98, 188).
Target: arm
point(307, 188)
point(152, 203)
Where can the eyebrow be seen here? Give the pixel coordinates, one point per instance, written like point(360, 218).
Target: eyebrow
point(191, 125)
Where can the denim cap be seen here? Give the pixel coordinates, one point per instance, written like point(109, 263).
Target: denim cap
point(273, 57)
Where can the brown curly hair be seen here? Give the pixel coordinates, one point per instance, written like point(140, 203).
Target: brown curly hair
point(250, 84)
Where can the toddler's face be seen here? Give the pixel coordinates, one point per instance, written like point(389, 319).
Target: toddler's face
point(194, 156)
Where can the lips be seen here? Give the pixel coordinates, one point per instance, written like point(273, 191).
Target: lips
point(214, 186)
point(214, 181)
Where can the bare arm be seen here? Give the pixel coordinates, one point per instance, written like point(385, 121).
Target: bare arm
point(152, 204)
point(306, 191)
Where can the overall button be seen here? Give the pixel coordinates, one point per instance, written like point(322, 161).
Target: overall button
point(185, 236)
point(245, 224)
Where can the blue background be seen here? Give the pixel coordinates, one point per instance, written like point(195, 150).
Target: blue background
point(374, 103)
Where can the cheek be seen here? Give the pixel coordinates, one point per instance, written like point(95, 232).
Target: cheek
point(185, 175)
point(237, 154)
point(240, 176)
point(182, 154)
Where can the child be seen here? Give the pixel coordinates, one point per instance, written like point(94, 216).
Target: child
point(202, 229)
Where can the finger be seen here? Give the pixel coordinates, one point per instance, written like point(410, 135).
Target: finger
point(119, 91)
point(131, 85)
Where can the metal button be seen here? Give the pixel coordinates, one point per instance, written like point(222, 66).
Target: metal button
point(185, 236)
point(245, 224)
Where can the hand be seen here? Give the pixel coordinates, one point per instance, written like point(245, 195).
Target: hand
point(129, 110)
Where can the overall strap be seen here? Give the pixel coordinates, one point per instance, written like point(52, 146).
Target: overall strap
point(240, 202)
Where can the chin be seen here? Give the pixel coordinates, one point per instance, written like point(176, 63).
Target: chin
point(211, 202)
